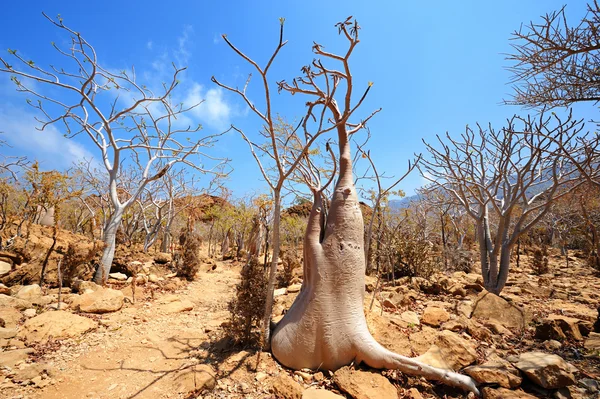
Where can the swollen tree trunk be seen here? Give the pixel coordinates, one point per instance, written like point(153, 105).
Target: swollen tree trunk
point(110, 234)
point(326, 327)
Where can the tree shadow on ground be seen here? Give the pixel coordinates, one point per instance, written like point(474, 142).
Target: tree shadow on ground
point(189, 355)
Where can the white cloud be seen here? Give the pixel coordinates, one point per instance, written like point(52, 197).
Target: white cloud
point(216, 39)
point(214, 110)
point(149, 45)
point(49, 147)
point(183, 53)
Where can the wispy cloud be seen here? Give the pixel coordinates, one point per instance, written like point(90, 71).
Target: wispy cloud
point(50, 147)
point(149, 45)
point(214, 110)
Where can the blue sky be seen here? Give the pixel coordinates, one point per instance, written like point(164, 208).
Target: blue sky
point(436, 66)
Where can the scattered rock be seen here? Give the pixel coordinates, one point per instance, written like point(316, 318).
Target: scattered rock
point(178, 306)
point(546, 370)
point(81, 286)
point(549, 330)
point(450, 352)
point(11, 358)
point(493, 307)
point(592, 343)
point(569, 326)
point(364, 384)
point(194, 379)
point(103, 300)
point(5, 268)
point(294, 288)
point(465, 308)
point(29, 292)
point(503, 393)
point(285, 387)
point(17, 303)
point(279, 292)
point(9, 316)
point(29, 313)
point(496, 371)
point(318, 393)
point(162, 258)
point(591, 386)
point(552, 345)
point(118, 276)
point(58, 325)
point(7, 333)
point(410, 317)
point(434, 316)
point(414, 393)
point(153, 278)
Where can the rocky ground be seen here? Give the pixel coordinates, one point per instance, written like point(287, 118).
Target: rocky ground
point(165, 340)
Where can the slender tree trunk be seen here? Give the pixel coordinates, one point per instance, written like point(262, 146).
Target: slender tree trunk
point(272, 271)
point(110, 234)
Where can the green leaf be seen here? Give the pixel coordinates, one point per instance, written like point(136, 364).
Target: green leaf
point(11, 51)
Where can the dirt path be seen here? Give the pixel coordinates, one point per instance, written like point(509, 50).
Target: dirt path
point(144, 351)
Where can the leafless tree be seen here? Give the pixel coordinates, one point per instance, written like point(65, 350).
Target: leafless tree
point(512, 173)
point(556, 65)
point(117, 114)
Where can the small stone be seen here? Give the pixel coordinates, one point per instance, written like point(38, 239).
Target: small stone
point(178, 306)
point(497, 372)
point(7, 333)
point(285, 387)
point(153, 278)
point(29, 313)
point(552, 345)
point(29, 292)
point(434, 316)
point(503, 393)
point(261, 376)
point(118, 276)
point(5, 268)
point(364, 384)
point(279, 292)
point(294, 288)
point(318, 393)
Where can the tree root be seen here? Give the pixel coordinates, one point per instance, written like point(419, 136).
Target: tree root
point(374, 355)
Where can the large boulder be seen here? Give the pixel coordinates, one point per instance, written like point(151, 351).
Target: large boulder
point(9, 301)
point(450, 352)
point(546, 370)
point(364, 384)
point(569, 325)
point(493, 307)
point(103, 300)
point(58, 325)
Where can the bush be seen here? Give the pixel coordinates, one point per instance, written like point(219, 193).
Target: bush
point(593, 261)
point(415, 258)
point(189, 263)
point(539, 264)
point(290, 263)
point(76, 265)
point(459, 260)
point(247, 308)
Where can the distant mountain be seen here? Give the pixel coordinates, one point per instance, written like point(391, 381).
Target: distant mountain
point(402, 203)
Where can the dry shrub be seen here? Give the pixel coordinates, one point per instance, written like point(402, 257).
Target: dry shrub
point(247, 308)
point(458, 260)
point(593, 261)
point(290, 263)
point(78, 264)
point(539, 263)
point(415, 258)
point(189, 263)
